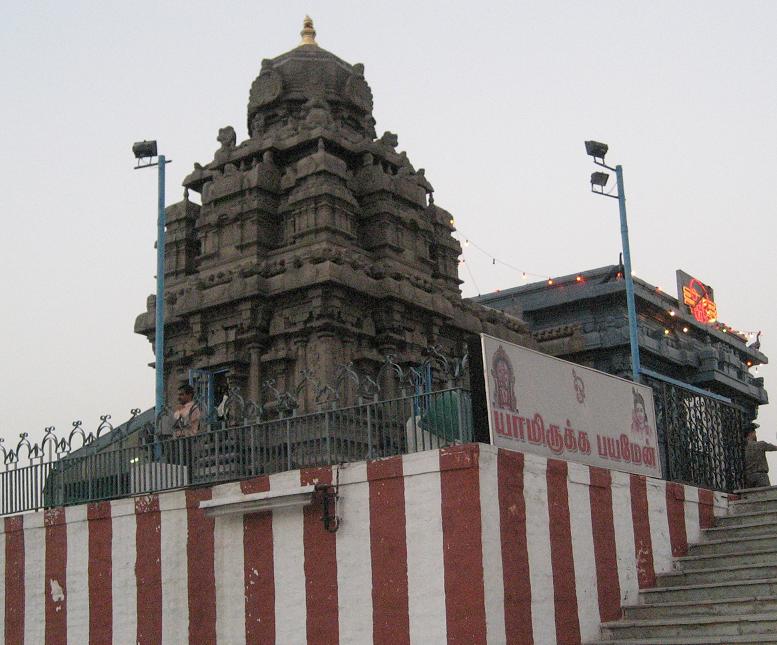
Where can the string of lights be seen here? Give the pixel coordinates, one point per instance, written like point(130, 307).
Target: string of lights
point(495, 260)
point(466, 242)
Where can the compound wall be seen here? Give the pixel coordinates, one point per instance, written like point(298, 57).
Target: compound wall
point(465, 545)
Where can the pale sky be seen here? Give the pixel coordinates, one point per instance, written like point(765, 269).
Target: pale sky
point(493, 99)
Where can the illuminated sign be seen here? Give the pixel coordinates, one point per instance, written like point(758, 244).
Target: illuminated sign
point(696, 297)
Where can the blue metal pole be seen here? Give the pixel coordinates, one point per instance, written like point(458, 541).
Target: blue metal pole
point(630, 302)
point(159, 341)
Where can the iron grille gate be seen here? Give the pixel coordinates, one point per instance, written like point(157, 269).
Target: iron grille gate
point(701, 438)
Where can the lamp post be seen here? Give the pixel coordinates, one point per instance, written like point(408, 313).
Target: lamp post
point(599, 180)
point(148, 150)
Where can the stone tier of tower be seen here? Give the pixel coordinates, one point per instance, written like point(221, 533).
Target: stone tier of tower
point(316, 243)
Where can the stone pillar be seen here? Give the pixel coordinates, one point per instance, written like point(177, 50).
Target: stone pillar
point(254, 389)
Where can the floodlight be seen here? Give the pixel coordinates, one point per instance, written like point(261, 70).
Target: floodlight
point(144, 149)
point(595, 149)
point(599, 179)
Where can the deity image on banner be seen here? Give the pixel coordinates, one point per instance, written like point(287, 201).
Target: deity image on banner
point(504, 381)
point(639, 420)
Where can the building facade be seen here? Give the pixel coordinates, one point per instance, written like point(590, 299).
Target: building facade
point(316, 244)
point(583, 318)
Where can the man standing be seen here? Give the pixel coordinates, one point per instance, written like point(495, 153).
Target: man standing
point(187, 414)
point(756, 467)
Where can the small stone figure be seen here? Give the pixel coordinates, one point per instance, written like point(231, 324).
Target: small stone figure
point(756, 466)
point(389, 139)
point(228, 139)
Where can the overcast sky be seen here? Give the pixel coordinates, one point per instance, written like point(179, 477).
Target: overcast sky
point(493, 99)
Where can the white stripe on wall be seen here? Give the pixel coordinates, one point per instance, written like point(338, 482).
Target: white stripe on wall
point(493, 576)
point(624, 537)
point(691, 507)
point(354, 560)
point(175, 583)
point(659, 525)
point(77, 574)
point(582, 551)
point(535, 490)
point(123, 581)
point(228, 571)
point(425, 566)
point(289, 567)
point(35, 584)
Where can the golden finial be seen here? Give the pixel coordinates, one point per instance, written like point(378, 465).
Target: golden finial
point(308, 33)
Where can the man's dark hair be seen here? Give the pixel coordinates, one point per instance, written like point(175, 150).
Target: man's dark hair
point(186, 389)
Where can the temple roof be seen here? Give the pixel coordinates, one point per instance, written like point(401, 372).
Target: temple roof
point(308, 73)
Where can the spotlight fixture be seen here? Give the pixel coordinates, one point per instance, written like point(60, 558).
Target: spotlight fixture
point(144, 149)
point(599, 179)
point(596, 149)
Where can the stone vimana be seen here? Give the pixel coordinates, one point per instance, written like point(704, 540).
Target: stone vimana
point(316, 243)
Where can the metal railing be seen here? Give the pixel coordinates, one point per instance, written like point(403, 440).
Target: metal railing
point(224, 453)
point(701, 438)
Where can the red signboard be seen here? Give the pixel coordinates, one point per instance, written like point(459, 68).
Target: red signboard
point(696, 298)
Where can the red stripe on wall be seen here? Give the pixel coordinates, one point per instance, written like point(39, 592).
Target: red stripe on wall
point(465, 606)
point(100, 573)
point(706, 508)
point(515, 552)
point(148, 570)
point(55, 583)
point(388, 549)
point(605, 555)
point(675, 510)
point(201, 572)
point(14, 579)
point(259, 571)
point(643, 544)
point(320, 567)
point(561, 557)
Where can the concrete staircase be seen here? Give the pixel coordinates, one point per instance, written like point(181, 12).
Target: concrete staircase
point(723, 592)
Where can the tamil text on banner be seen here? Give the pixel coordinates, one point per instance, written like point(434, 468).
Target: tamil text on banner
point(550, 407)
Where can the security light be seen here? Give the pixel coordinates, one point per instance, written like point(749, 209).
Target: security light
point(144, 149)
point(595, 149)
point(599, 179)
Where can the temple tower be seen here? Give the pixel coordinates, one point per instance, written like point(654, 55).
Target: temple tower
point(316, 243)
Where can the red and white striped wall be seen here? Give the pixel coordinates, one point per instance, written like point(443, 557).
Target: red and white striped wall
point(465, 545)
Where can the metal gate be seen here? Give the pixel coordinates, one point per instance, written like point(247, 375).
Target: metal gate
point(701, 438)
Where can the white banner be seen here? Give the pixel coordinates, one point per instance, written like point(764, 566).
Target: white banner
point(550, 407)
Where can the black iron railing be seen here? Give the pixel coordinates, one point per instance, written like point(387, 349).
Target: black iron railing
point(701, 438)
point(223, 452)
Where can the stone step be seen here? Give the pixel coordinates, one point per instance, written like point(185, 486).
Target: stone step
point(746, 506)
point(717, 574)
point(702, 562)
point(710, 591)
point(753, 494)
point(747, 517)
point(733, 544)
point(745, 529)
point(749, 639)
point(729, 606)
point(695, 626)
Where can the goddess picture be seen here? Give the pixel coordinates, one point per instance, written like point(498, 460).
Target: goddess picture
point(504, 381)
point(639, 420)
